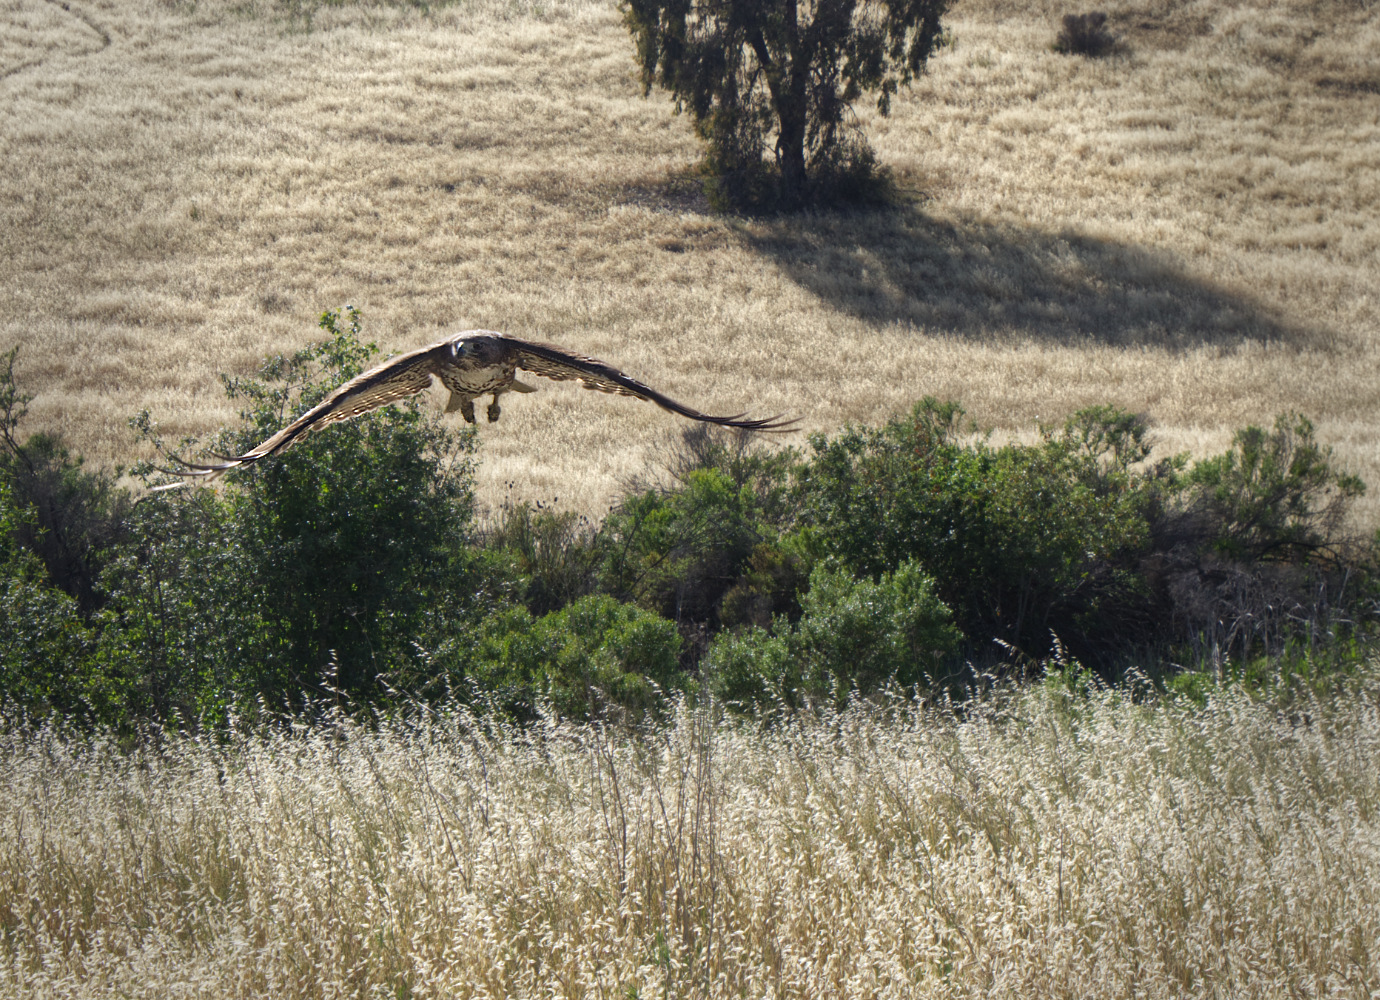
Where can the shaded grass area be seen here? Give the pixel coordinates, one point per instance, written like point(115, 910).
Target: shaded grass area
point(970, 277)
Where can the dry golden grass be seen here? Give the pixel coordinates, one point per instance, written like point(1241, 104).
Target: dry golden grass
point(1188, 229)
point(1036, 847)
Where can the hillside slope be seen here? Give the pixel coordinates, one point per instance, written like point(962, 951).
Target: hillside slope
point(1188, 228)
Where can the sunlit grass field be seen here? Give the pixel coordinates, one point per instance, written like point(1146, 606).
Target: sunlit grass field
point(1188, 228)
point(1035, 845)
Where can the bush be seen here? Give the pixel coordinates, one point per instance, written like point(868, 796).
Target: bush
point(74, 517)
point(775, 576)
point(352, 552)
point(1081, 536)
point(594, 657)
point(553, 557)
point(1273, 497)
point(756, 670)
point(335, 568)
point(43, 640)
point(351, 568)
point(853, 636)
point(679, 552)
point(1021, 540)
point(1253, 555)
point(1085, 35)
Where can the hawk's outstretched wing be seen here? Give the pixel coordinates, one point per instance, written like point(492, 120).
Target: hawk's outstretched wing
point(550, 361)
point(479, 352)
point(395, 379)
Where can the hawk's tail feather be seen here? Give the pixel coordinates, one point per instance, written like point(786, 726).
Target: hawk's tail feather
point(764, 425)
point(195, 470)
point(190, 468)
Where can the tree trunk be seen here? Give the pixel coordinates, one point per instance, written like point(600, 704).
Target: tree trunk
point(790, 152)
point(790, 110)
point(786, 75)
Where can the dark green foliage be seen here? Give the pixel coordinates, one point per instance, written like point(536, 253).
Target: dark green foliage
point(176, 636)
point(705, 551)
point(348, 569)
point(1085, 35)
point(1253, 556)
point(595, 656)
point(1080, 537)
point(42, 635)
point(772, 77)
point(893, 629)
point(75, 516)
point(348, 553)
point(338, 568)
point(1273, 497)
point(1022, 540)
point(757, 669)
point(775, 576)
point(679, 552)
point(854, 635)
point(554, 556)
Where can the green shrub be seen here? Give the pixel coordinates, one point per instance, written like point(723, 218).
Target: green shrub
point(1023, 540)
point(74, 516)
point(554, 557)
point(853, 636)
point(336, 565)
point(679, 552)
point(352, 568)
point(776, 574)
point(43, 641)
point(594, 657)
point(756, 669)
point(1274, 496)
point(868, 633)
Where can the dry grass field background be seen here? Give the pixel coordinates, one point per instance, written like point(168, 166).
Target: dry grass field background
point(1035, 847)
point(1188, 228)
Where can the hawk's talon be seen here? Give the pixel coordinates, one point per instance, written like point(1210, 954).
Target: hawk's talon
point(493, 410)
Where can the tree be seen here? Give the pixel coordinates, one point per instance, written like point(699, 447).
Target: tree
point(343, 562)
point(745, 69)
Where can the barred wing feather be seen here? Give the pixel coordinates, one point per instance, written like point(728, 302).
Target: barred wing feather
point(550, 361)
point(396, 379)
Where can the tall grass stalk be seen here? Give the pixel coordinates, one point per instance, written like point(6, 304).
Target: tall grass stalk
point(1039, 843)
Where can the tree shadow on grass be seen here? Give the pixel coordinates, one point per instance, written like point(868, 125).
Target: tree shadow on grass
point(989, 281)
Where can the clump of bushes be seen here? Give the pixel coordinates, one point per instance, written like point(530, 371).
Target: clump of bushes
point(1022, 541)
point(853, 636)
point(353, 558)
point(1083, 537)
point(1085, 35)
point(906, 554)
point(592, 657)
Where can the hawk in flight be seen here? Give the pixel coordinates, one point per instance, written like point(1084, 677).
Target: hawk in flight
point(470, 364)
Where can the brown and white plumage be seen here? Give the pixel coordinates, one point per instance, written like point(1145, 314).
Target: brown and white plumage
point(470, 364)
